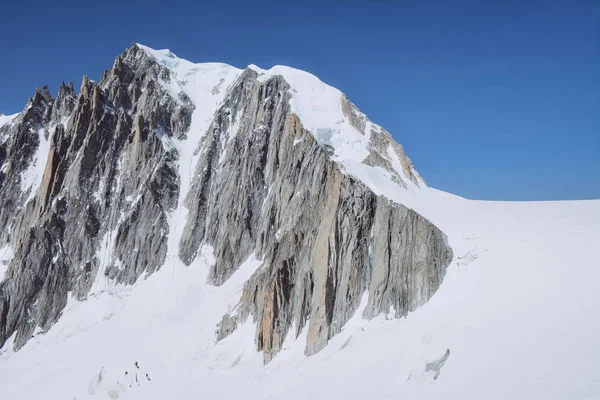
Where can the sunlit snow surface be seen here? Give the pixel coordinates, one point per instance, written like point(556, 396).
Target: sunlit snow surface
point(5, 119)
point(519, 311)
point(319, 107)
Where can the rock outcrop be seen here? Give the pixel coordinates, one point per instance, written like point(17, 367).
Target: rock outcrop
point(99, 209)
point(325, 239)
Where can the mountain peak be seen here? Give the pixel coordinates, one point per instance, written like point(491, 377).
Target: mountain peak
point(165, 159)
point(356, 142)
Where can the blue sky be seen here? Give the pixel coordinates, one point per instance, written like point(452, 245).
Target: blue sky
point(491, 101)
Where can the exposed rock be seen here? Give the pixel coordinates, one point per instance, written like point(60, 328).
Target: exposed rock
point(262, 184)
point(383, 149)
point(109, 180)
point(357, 119)
point(436, 366)
point(334, 239)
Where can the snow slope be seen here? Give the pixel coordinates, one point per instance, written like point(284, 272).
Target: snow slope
point(32, 176)
point(319, 107)
point(518, 311)
point(518, 308)
point(5, 119)
point(206, 84)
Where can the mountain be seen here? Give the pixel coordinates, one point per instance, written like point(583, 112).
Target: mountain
point(163, 160)
point(180, 230)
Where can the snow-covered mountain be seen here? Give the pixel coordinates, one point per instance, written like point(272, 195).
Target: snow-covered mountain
point(182, 230)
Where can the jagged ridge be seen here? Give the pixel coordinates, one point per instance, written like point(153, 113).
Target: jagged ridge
point(115, 177)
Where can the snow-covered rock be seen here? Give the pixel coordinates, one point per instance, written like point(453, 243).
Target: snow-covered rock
point(167, 222)
point(163, 156)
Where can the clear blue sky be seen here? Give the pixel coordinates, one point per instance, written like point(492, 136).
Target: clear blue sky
point(491, 101)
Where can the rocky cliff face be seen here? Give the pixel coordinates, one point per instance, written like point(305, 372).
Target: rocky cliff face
point(162, 157)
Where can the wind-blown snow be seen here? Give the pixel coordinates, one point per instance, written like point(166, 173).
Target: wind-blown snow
point(518, 308)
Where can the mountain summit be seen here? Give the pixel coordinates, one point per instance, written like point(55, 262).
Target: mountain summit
point(164, 160)
point(186, 231)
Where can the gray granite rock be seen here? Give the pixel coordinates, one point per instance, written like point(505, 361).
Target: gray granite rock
point(262, 185)
point(109, 180)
